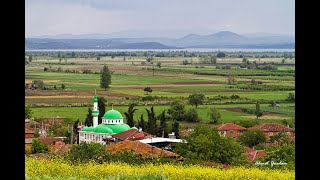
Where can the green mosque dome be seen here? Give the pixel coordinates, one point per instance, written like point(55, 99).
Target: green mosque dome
point(112, 114)
point(118, 128)
point(102, 128)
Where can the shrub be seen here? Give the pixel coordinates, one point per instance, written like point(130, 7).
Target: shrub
point(38, 147)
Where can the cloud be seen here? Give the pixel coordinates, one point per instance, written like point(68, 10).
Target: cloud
point(47, 17)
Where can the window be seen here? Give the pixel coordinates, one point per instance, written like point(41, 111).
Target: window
point(231, 131)
point(112, 121)
point(270, 133)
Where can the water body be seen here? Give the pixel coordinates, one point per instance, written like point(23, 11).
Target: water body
point(163, 50)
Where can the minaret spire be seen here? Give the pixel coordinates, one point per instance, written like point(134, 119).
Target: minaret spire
point(95, 109)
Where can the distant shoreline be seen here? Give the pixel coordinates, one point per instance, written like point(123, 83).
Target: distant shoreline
point(161, 50)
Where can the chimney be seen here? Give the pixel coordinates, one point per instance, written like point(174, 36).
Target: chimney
point(140, 129)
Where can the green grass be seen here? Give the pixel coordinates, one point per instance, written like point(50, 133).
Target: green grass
point(227, 116)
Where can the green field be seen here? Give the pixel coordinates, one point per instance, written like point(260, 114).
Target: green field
point(173, 80)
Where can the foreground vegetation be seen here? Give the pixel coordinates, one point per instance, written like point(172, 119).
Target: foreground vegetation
point(60, 169)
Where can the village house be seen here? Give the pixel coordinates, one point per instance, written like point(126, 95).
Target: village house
point(131, 135)
point(252, 154)
point(272, 129)
point(230, 129)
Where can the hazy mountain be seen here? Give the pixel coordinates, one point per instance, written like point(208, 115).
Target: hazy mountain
point(222, 39)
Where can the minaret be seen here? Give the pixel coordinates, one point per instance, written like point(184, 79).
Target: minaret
point(95, 112)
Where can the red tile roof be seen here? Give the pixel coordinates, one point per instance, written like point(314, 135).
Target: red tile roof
point(252, 154)
point(28, 130)
point(186, 132)
point(271, 127)
point(230, 126)
point(132, 135)
point(50, 141)
point(145, 150)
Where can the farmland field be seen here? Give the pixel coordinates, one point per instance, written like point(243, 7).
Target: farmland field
point(171, 81)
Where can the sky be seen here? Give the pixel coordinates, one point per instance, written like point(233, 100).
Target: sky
point(162, 18)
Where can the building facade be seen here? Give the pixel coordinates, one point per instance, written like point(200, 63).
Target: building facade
point(112, 123)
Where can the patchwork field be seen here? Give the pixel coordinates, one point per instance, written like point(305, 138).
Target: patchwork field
point(172, 80)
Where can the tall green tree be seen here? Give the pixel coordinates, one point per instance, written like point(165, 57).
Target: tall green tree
point(142, 123)
point(75, 129)
point(105, 78)
point(258, 111)
point(214, 115)
point(102, 108)
point(85, 152)
point(175, 128)
point(252, 137)
point(27, 112)
point(284, 153)
point(163, 132)
point(130, 114)
point(30, 58)
point(196, 99)
point(177, 110)
point(152, 121)
point(191, 115)
point(89, 118)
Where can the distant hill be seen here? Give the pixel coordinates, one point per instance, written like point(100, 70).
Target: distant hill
point(34, 43)
point(222, 39)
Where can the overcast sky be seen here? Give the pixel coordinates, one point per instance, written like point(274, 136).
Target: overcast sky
point(161, 17)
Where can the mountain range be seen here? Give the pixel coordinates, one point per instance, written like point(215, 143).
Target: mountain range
point(222, 39)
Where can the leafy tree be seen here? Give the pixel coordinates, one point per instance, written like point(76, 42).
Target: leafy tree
point(185, 62)
point(60, 60)
point(105, 78)
point(59, 55)
point(142, 123)
point(258, 111)
point(281, 138)
point(85, 152)
point(245, 60)
point(196, 99)
point(283, 61)
point(147, 90)
point(75, 129)
point(130, 114)
point(175, 128)
point(73, 54)
point(252, 137)
point(177, 110)
point(38, 147)
point(89, 118)
point(163, 131)
point(112, 57)
point(221, 55)
point(63, 86)
point(102, 108)
point(55, 87)
point(30, 58)
point(152, 121)
point(98, 58)
point(159, 64)
point(45, 69)
point(27, 112)
point(214, 115)
point(284, 153)
point(38, 84)
point(191, 115)
point(291, 97)
point(205, 144)
point(58, 130)
point(26, 61)
point(213, 60)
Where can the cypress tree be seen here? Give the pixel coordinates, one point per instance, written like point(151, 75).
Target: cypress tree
point(129, 114)
point(89, 118)
point(105, 78)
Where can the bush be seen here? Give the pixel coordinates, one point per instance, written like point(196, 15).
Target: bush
point(38, 147)
point(85, 152)
point(191, 115)
point(148, 98)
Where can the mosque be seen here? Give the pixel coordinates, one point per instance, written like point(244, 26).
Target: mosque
point(112, 123)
